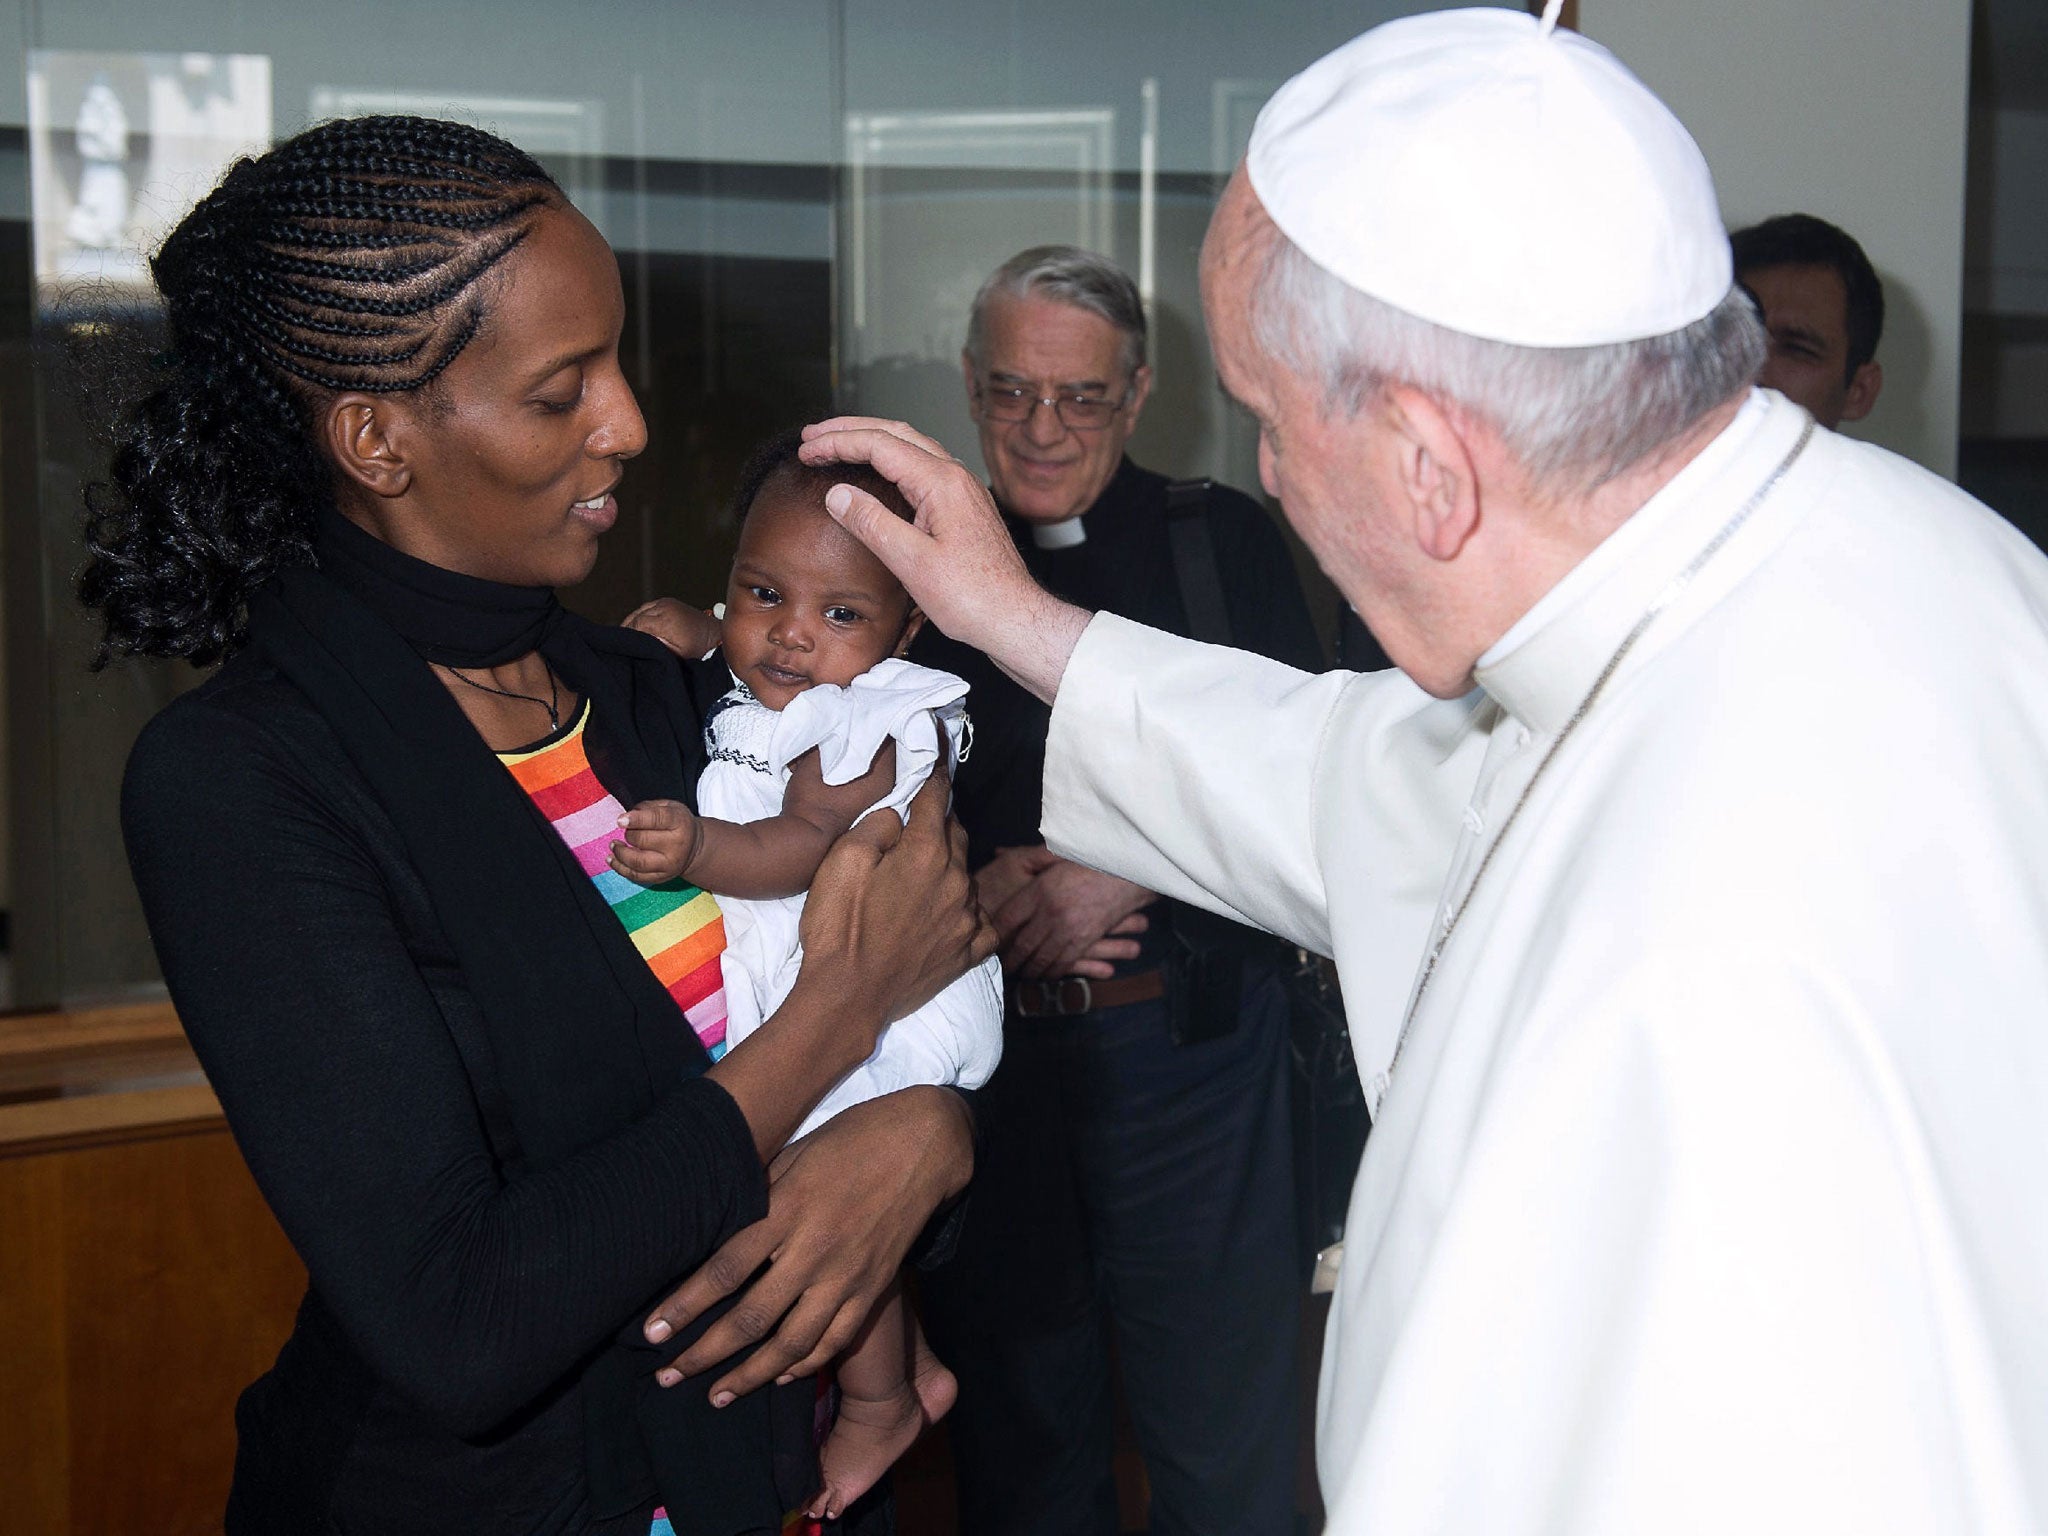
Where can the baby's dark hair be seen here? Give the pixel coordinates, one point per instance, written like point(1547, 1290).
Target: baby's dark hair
point(776, 462)
point(350, 257)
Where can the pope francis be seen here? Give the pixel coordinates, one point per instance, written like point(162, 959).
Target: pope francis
point(1689, 880)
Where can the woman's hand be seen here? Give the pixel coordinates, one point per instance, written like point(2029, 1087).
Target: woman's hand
point(689, 632)
point(892, 916)
point(890, 920)
point(844, 1206)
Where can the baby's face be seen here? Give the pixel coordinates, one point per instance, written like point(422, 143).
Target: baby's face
point(807, 603)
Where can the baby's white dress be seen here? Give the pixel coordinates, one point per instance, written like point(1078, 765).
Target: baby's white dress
point(957, 1037)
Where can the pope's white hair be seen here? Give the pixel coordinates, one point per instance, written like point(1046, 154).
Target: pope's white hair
point(1574, 417)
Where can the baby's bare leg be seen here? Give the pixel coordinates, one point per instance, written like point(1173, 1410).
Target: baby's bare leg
point(891, 1386)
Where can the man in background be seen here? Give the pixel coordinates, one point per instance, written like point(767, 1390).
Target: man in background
point(1136, 1194)
point(1824, 309)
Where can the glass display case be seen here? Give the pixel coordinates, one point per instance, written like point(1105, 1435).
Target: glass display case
point(803, 194)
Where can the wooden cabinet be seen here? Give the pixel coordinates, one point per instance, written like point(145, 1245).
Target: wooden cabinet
point(143, 1282)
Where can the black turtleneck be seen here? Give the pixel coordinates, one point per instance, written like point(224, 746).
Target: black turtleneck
point(473, 1110)
point(449, 618)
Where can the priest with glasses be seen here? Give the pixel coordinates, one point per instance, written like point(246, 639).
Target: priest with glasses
point(1136, 1191)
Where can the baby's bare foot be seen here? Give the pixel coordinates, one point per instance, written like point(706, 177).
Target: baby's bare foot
point(871, 1432)
point(936, 1387)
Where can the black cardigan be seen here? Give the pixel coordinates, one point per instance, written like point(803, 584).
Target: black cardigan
point(431, 1382)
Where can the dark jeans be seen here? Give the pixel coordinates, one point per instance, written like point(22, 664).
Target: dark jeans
point(1134, 1192)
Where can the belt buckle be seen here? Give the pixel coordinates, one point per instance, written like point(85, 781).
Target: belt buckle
point(1050, 999)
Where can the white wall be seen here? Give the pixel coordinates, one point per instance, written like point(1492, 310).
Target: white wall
point(1856, 113)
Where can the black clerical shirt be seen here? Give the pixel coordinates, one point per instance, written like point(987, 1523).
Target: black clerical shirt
point(1123, 566)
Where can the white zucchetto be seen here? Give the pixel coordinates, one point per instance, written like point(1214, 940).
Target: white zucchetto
point(1486, 173)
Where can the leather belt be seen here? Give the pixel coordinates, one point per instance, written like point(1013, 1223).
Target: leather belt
point(1069, 995)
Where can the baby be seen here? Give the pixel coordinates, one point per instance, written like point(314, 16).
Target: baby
point(825, 723)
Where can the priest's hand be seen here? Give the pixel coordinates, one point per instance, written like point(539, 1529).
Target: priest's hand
point(1070, 920)
point(1009, 871)
point(844, 1206)
point(957, 560)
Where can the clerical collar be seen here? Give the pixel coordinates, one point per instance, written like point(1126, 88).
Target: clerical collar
point(1064, 534)
point(447, 617)
point(1547, 661)
point(1072, 532)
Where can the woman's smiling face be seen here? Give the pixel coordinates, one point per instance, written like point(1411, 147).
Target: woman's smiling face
point(508, 461)
point(807, 603)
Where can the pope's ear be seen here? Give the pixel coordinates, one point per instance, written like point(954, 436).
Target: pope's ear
point(1434, 470)
point(364, 436)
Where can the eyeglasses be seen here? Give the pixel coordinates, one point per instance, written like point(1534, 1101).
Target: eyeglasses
point(1077, 412)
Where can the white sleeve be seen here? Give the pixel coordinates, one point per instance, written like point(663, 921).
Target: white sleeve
point(1190, 769)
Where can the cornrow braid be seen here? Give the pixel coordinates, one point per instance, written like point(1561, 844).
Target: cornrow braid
point(347, 258)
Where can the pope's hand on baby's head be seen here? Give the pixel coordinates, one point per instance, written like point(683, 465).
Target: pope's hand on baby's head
point(689, 632)
point(661, 839)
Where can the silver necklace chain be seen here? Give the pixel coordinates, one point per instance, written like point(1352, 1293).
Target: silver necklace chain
point(1376, 1094)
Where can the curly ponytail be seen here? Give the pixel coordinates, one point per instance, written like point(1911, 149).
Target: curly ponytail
point(346, 258)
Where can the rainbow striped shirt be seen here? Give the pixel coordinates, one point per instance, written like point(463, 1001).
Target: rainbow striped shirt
point(676, 927)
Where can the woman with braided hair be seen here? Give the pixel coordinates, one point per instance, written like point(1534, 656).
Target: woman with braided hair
point(480, 1085)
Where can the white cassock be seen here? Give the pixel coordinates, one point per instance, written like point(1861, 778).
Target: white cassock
point(1711, 1190)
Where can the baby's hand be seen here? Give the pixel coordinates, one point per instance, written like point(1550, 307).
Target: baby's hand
point(689, 632)
point(661, 839)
